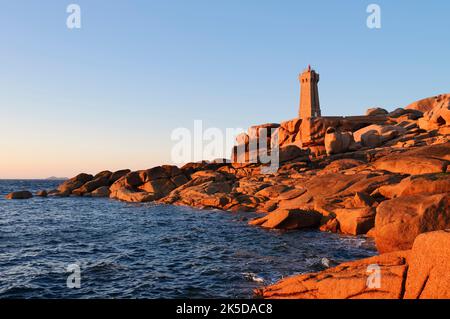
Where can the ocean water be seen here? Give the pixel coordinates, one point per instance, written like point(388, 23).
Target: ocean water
point(148, 251)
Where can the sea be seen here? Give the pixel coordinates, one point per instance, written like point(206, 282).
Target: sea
point(79, 247)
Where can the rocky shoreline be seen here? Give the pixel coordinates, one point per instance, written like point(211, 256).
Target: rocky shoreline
point(384, 175)
point(418, 273)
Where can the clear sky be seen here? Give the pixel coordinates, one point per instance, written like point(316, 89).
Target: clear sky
point(108, 95)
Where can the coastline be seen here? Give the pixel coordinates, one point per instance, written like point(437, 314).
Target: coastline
point(390, 183)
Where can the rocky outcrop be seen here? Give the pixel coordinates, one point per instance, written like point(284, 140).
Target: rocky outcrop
point(428, 275)
point(148, 185)
point(289, 132)
point(425, 160)
point(19, 195)
point(384, 175)
point(437, 117)
point(252, 144)
point(288, 219)
point(418, 184)
point(338, 142)
point(85, 184)
point(346, 281)
point(355, 221)
point(101, 192)
point(117, 175)
point(428, 104)
point(66, 188)
point(129, 195)
point(421, 272)
point(313, 130)
point(99, 180)
point(376, 111)
point(376, 135)
point(340, 165)
point(206, 188)
point(400, 220)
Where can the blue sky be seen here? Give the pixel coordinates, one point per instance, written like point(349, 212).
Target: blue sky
point(107, 96)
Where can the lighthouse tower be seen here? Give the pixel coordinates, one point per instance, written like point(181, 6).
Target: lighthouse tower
point(309, 94)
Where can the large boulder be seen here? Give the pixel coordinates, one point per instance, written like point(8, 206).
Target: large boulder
point(132, 179)
point(355, 221)
point(362, 200)
point(340, 165)
point(124, 182)
point(118, 174)
point(428, 275)
point(438, 151)
point(347, 281)
point(206, 188)
point(338, 142)
point(414, 165)
point(420, 273)
point(376, 111)
point(70, 185)
point(103, 174)
point(418, 184)
point(101, 192)
point(160, 187)
point(375, 135)
point(292, 126)
point(179, 180)
point(99, 180)
point(423, 160)
point(288, 219)
point(289, 132)
point(152, 174)
point(272, 191)
point(368, 138)
point(328, 187)
point(438, 116)
point(150, 184)
point(312, 130)
point(400, 220)
point(429, 103)
point(401, 113)
point(19, 195)
point(348, 185)
point(201, 193)
point(129, 195)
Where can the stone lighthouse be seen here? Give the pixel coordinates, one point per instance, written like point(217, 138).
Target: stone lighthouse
point(309, 94)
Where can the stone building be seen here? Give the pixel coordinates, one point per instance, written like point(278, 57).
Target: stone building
point(309, 94)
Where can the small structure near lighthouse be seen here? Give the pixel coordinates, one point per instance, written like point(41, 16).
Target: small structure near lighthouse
point(309, 94)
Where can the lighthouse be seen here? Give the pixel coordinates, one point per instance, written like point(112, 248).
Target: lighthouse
point(309, 94)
